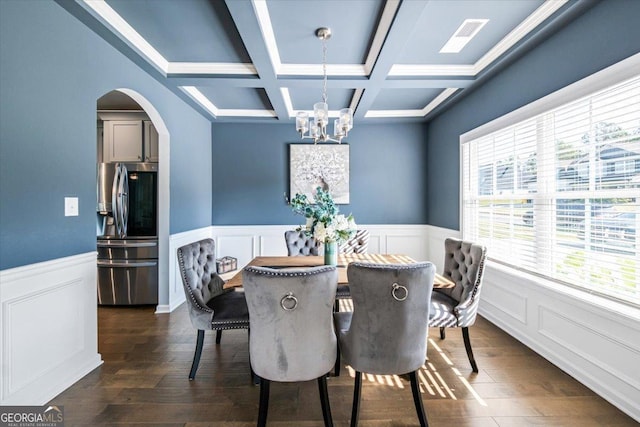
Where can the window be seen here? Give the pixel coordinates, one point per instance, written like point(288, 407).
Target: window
point(555, 190)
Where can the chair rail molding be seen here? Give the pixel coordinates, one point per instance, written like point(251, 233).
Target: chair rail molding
point(49, 331)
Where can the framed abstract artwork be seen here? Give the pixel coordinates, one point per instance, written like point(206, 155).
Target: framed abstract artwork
point(319, 165)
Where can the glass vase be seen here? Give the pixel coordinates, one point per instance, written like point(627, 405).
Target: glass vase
point(330, 252)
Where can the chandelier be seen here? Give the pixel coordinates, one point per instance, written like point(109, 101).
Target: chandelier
point(316, 128)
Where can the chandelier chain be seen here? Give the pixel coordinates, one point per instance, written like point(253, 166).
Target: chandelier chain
point(324, 71)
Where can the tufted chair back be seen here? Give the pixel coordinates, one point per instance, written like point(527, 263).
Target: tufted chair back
point(197, 262)
point(464, 264)
point(298, 243)
point(358, 244)
point(387, 331)
point(292, 336)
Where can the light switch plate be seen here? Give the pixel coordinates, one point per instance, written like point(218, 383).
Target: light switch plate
point(70, 206)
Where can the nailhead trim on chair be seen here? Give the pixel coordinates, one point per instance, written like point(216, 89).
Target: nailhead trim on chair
point(413, 266)
point(291, 273)
point(188, 288)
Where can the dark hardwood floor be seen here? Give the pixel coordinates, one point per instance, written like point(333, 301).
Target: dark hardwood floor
point(147, 358)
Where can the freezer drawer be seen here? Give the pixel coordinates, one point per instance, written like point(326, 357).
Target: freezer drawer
point(127, 249)
point(128, 282)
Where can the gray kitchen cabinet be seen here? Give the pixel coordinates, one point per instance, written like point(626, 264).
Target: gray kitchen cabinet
point(150, 142)
point(130, 141)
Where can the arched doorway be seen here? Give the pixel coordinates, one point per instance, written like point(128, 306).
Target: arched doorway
point(125, 100)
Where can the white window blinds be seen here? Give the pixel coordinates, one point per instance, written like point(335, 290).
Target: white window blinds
point(558, 194)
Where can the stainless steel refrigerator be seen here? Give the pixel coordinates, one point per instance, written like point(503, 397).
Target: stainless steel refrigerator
point(127, 224)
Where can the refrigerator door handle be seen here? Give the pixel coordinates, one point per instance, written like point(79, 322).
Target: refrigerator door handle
point(114, 199)
point(125, 244)
point(124, 186)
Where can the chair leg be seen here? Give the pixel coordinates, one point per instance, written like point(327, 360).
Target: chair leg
point(355, 409)
point(324, 401)
point(467, 346)
point(336, 368)
point(336, 306)
point(264, 402)
point(218, 336)
point(196, 356)
point(442, 332)
point(417, 399)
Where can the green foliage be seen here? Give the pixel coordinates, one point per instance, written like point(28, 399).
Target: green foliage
point(324, 220)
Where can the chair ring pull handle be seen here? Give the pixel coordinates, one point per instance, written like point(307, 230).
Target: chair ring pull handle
point(289, 302)
point(404, 292)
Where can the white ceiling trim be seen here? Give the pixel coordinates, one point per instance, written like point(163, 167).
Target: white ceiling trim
point(264, 20)
point(197, 96)
point(316, 70)
point(439, 100)
point(372, 114)
point(356, 98)
point(413, 113)
point(536, 18)
point(531, 22)
point(230, 112)
point(408, 70)
point(210, 68)
point(384, 25)
point(128, 33)
point(286, 97)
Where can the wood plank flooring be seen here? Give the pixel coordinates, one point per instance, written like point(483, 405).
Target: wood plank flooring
point(147, 357)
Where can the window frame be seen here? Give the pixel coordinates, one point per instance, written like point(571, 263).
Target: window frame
point(610, 76)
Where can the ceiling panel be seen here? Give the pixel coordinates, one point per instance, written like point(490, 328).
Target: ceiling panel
point(304, 98)
point(353, 24)
point(404, 99)
point(442, 19)
point(237, 98)
point(185, 30)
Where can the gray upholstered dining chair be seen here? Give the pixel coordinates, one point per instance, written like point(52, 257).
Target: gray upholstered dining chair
point(300, 244)
point(210, 306)
point(358, 244)
point(457, 307)
point(386, 333)
point(292, 337)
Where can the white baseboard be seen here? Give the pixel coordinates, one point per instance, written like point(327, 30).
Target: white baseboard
point(49, 328)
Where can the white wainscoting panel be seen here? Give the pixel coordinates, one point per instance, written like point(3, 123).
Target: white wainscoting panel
point(49, 328)
point(593, 340)
point(248, 241)
point(176, 291)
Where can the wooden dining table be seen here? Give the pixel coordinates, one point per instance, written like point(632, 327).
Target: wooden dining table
point(343, 261)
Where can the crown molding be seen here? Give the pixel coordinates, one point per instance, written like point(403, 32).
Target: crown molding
point(211, 68)
point(125, 30)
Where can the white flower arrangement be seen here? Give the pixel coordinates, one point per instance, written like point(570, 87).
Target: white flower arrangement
point(324, 222)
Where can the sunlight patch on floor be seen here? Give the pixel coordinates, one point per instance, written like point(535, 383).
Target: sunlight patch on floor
point(430, 380)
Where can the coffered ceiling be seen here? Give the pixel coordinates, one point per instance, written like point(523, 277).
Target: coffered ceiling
point(259, 60)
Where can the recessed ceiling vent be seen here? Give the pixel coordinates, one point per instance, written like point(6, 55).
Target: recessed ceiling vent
point(463, 35)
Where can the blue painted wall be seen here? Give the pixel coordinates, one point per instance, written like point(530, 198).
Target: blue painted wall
point(602, 36)
point(251, 174)
point(52, 71)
